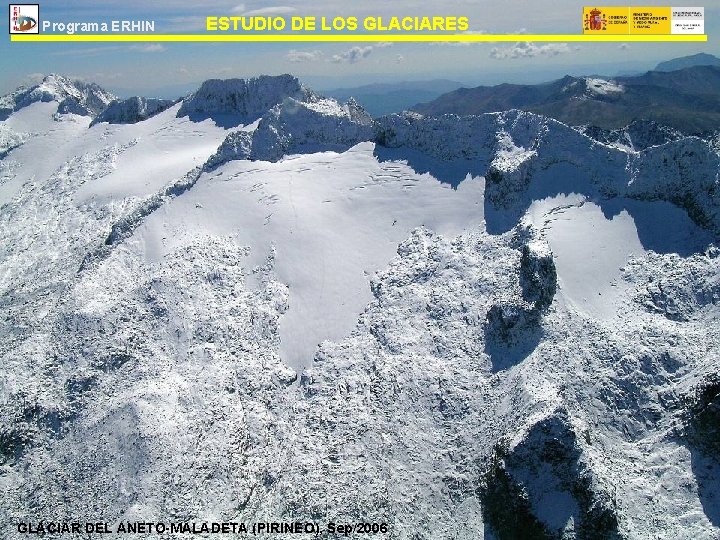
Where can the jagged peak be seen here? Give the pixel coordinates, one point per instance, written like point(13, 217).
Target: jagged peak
point(62, 87)
point(73, 95)
point(247, 98)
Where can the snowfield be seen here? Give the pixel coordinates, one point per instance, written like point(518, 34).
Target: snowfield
point(328, 233)
point(259, 304)
point(602, 87)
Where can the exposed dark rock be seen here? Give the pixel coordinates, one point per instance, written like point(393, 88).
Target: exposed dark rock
point(543, 488)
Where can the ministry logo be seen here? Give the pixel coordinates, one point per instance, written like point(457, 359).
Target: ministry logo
point(24, 18)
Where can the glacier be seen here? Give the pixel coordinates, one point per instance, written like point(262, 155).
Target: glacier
point(260, 304)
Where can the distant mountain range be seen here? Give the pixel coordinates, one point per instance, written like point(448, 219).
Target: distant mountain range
point(700, 59)
point(686, 99)
point(386, 98)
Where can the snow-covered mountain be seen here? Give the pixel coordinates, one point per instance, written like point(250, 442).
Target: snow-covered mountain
point(260, 304)
point(249, 99)
point(76, 97)
point(293, 126)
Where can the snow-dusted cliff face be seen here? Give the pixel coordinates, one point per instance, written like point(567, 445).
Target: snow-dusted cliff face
point(463, 327)
point(293, 127)
point(9, 139)
point(132, 110)
point(247, 98)
point(76, 97)
point(638, 135)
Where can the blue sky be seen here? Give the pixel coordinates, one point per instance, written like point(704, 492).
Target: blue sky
point(153, 68)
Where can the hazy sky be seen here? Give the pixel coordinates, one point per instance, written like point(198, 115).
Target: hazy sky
point(149, 68)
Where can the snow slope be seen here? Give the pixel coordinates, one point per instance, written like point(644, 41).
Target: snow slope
point(327, 233)
point(260, 304)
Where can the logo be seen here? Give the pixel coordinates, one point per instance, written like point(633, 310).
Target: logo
point(24, 18)
point(595, 20)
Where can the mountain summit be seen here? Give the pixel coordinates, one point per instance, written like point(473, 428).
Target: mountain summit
point(247, 98)
point(73, 96)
